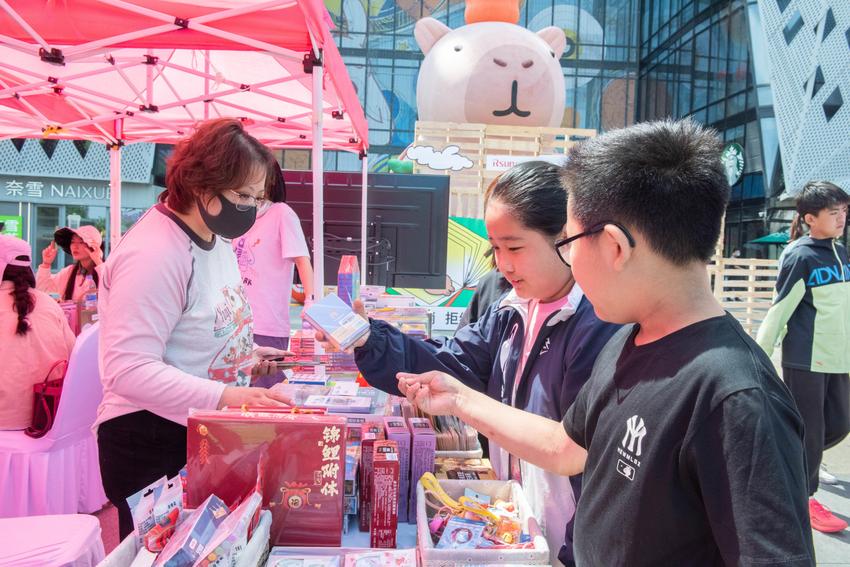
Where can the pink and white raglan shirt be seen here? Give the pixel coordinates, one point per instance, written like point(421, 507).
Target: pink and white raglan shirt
point(175, 325)
point(266, 255)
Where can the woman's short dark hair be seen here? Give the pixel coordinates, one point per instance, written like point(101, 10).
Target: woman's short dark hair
point(663, 178)
point(220, 155)
point(533, 192)
point(275, 184)
point(22, 280)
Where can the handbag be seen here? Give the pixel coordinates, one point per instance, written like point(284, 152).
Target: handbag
point(46, 402)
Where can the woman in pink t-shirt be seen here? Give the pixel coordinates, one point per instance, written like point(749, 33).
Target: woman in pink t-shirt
point(267, 254)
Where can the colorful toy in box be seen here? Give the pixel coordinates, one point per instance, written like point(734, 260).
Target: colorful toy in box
point(192, 536)
point(304, 475)
point(472, 523)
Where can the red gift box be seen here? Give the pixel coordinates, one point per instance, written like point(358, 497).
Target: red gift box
point(302, 477)
point(370, 432)
point(384, 502)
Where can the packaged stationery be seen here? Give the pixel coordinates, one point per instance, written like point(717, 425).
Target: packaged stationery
point(192, 537)
point(383, 524)
point(340, 325)
point(141, 508)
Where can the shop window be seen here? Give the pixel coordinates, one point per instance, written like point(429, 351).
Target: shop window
point(793, 27)
point(832, 104)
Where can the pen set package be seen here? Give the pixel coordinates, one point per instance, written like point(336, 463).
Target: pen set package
point(337, 321)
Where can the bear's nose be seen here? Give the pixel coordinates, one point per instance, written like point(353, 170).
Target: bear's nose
point(499, 62)
point(527, 64)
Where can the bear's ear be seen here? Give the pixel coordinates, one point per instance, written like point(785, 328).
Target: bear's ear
point(556, 39)
point(428, 31)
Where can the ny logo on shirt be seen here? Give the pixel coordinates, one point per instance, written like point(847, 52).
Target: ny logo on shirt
point(635, 432)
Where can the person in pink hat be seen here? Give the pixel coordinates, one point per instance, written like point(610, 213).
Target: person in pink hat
point(84, 245)
point(34, 334)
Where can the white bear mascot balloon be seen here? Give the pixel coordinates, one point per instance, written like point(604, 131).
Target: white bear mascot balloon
point(491, 72)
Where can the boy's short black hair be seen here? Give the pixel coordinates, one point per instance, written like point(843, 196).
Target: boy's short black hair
point(663, 178)
point(819, 195)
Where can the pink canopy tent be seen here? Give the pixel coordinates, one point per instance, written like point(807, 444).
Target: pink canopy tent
point(129, 71)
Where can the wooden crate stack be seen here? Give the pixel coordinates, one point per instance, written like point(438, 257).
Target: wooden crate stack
point(476, 142)
point(744, 287)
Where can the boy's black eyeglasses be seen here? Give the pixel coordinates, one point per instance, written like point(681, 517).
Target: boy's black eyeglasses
point(563, 246)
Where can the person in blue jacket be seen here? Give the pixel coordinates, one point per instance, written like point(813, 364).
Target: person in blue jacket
point(534, 349)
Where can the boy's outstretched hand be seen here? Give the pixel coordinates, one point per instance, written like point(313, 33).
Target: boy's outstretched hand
point(434, 392)
point(358, 308)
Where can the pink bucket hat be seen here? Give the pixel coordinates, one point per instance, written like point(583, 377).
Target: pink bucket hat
point(88, 233)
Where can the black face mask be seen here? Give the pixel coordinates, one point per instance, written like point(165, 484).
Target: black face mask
point(230, 222)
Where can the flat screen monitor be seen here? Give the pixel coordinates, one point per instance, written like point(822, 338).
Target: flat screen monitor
point(407, 218)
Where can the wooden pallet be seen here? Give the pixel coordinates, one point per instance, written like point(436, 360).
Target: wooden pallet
point(745, 287)
point(476, 142)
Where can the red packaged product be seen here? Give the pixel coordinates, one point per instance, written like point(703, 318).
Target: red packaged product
point(383, 525)
point(370, 432)
point(303, 476)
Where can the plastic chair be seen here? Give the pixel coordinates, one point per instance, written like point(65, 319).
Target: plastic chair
point(59, 473)
point(67, 540)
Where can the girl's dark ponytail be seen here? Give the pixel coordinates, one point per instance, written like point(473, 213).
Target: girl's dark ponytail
point(23, 280)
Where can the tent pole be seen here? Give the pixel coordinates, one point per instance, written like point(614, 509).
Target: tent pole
point(115, 186)
point(364, 219)
point(114, 195)
point(318, 187)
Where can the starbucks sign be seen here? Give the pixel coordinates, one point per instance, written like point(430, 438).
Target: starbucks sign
point(733, 162)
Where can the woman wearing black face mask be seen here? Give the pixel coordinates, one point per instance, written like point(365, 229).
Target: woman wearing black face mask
point(176, 330)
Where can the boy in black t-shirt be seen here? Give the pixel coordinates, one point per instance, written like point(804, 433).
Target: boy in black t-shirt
point(690, 444)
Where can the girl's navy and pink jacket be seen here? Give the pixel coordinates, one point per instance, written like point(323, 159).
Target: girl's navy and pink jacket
point(485, 356)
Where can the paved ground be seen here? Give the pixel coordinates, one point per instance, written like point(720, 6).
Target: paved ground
point(834, 549)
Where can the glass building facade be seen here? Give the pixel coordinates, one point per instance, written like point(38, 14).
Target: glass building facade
point(626, 61)
point(376, 40)
point(706, 59)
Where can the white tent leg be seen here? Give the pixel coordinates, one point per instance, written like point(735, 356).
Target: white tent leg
point(114, 196)
point(364, 266)
point(318, 187)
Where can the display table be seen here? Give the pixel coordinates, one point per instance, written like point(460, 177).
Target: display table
point(123, 555)
point(68, 539)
